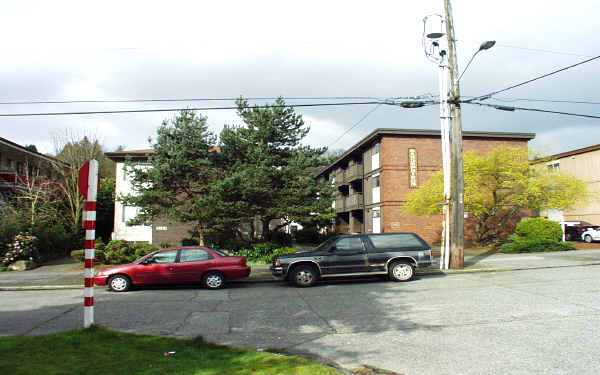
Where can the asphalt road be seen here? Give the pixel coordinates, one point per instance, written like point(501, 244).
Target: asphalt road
point(542, 321)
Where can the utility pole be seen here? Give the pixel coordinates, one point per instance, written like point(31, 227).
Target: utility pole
point(457, 204)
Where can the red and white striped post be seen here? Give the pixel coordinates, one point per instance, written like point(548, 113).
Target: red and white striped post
point(88, 186)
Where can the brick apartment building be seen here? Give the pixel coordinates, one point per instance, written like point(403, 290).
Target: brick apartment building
point(20, 165)
point(374, 176)
point(161, 232)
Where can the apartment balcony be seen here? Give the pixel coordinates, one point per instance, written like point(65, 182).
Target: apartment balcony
point(354, 202)
point(339, 178)
point(353, 172)
point(340, 205)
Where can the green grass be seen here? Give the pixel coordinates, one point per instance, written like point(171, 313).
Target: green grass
point(98, 351)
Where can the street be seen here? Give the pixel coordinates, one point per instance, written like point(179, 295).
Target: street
point(518, 322)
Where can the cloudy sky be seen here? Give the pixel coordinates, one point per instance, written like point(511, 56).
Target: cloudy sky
point(79, 50)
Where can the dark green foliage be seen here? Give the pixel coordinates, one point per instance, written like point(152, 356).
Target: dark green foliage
point(264, 252)
point(105, 208)
point(535, 245)
point(8, 230)
point(281, 238)
point(538, 228)
point(189, 242)
point(312, 236)
point(119, 251)
point(55, 240)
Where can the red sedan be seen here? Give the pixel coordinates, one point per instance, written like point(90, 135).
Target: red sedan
point(176, 266)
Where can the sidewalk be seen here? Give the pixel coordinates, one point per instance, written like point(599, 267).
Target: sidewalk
point(68, 274)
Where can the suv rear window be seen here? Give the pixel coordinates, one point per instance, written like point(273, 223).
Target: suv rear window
point(396, 240)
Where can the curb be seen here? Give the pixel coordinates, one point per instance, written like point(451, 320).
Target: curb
point(256, 281)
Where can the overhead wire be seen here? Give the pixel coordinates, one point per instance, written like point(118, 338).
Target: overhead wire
point(356, 124)
point(505, 108)
point(488, 96)
point(181, 109)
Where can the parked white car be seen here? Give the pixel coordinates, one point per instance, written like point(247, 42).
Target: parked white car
point(591, 234)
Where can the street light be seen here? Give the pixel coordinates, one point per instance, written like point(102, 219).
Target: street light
point(485, 45)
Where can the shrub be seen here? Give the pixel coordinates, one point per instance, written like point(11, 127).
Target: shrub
point(9, 228)
point(22, 247)
point(190, 242)
point(308, 235)
point(538, 229)
point(281, 238)
point(79, 255)
point(119, 251)
point(55, 241)
point(264, 252)
point(535, 245)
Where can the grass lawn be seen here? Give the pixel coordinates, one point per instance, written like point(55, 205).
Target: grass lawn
point(99, 351)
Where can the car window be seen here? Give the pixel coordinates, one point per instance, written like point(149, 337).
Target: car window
point(164, 257)
point(349, 244)
point(397, 240)
point(221, 253)
point(194, 255)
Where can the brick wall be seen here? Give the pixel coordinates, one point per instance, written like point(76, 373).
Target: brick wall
point(395, 179)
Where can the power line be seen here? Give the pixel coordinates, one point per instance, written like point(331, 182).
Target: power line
point(182, 109)
point(487, 96)
point(543, 50)
point(505, 108)
point(356, 124)
point(181, 100)
point(546, 101)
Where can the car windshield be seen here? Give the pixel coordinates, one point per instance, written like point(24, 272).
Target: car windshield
point(325, 245)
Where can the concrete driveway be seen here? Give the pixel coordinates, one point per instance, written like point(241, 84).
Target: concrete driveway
point(519, 322)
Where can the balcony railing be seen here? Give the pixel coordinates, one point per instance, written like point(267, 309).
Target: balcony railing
point(353, 172)
point(339, 178)
point(354, 202)
point(339, 205)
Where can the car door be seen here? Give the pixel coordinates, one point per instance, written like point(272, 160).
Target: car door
point(158, 269)
point(346, 255)
point(191, 265)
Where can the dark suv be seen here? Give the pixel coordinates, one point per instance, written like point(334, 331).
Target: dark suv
point(393, 254)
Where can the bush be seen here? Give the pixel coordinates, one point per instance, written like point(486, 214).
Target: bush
point(538, 229)
point(22, 247)
point(79, 256)
point(190, 242)
point(281, 238)
point(9, 228)
point(119, 251)
point(264, 252)
point(534, 246)
point(308, 235)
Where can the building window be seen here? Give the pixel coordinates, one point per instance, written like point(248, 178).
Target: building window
point(20, 169)
point(8, 163)
point(554, 167)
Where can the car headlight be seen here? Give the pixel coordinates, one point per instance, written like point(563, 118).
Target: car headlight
point(278, 262)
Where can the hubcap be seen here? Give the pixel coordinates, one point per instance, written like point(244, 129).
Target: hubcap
point(304, 277)
point(403, 271)
point(214, 281)
point(118, 283)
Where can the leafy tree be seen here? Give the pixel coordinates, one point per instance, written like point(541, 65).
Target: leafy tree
point(75, 150)
point(105, 208)
point(498, 186)
point(180, 173)
point(270, 174)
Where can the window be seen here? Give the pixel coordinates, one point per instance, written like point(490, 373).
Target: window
point(164, 257)
point(349, 244)
point(9, 163)
point(194, 255)
point(20, 169)
point(398, 240)
point(376, 148)
point(377, 181)
point(554, 167)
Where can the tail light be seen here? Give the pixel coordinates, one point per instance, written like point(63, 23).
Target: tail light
point(431, 253)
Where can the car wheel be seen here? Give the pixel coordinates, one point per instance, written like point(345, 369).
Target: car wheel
point(213, 280)
point(587, 238)
point(119, 283)
point(401, 271)
point(304, 276)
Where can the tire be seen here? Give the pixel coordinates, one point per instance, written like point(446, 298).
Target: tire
point(303, 276)
point(587, 238)
point(119, 283)
point(213, 280)
point(401, 271)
